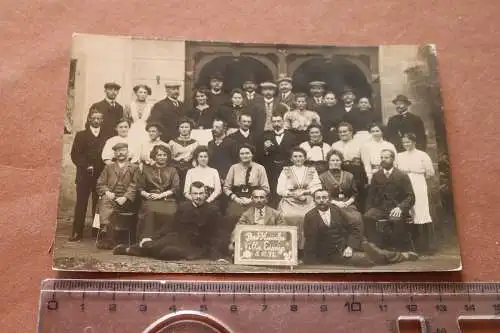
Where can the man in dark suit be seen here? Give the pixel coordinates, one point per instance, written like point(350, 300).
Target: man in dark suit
point(390, 198)
point(111, 110)
point(222, 151)
point(86, 155)
point(348, 103)
point(405, 122)
point(193, 236)
point(274, 151)
point(168, 112)
point(265, 108)
point(317, 90)
point(244, 135)
point(250, 96)
point(286, 96)
point(217, 97)
point(117, 188)
point(331, 238)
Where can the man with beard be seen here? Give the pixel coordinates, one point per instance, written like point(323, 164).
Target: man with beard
point(286, 96)
point(265, 108)
point(244, 135)
point(168, 112)
point(405, 122)
point(331, 238)
point(111, 110)
point(86, 155)
point(274, 151)
point(117, 188)
point(390, 197)
point(222, 150)
point(192, 237)
point(217, 97)
point(317, 91)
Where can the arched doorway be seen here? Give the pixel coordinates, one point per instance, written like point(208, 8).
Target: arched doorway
point(235, 70)
point(338, 74)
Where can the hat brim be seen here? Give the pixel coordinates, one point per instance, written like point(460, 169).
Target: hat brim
point(112, 86)
point(408, 102)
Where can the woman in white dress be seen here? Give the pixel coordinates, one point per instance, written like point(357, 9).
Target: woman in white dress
point(370, 151)
point(296, 185)
point(138, 112)
point(418, 165)
point(122, 128)
point(203, 173)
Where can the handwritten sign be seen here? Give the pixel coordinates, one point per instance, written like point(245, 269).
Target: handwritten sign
point(265, 245)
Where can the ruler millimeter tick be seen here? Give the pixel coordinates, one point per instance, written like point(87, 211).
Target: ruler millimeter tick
point(140, 306)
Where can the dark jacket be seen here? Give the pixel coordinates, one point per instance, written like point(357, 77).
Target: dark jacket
point(387, 193)
point(322, 242)
point(399, 125)
point(330, 117)
point(216, 101)
point(111, 116)
point(222, 156)
point(202, 119)
point(259, 111)
point(86, 151)
point(277, 152)
point(123, 183)
point(241, 140)
point(360, 120)
point(166, 113)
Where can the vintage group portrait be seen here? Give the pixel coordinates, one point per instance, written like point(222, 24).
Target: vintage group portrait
point(200, 156)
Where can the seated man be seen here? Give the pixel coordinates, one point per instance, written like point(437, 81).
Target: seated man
point(259, 214)
point(390, 198)
point(117, 188)
point(192, 236)
point(331, 238)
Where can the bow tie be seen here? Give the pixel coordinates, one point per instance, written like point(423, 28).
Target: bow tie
point(316, 144)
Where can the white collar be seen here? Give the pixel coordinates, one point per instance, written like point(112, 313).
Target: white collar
point(251, 93)
point(95, 130)
point(245, 133)
point(173, 100)
point(286, 94)
point(202, 107)
point(280, 133)
point(216, 92)
point(110, 101)
point(388, 172)
point(270, 100)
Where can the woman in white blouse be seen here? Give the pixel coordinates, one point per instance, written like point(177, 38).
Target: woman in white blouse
point(138, 112)
point(203, 173)
point(296, 185)
point(370, 152)
point(122, 128)
point(418, 165)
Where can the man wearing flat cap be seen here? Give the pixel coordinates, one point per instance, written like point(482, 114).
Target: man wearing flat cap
point(266, 107)
point(317, 90)
point(405, 122)
point(286, 96)
point(216, 96)
point(111, 110)
point(116, 187)
point(168, 111)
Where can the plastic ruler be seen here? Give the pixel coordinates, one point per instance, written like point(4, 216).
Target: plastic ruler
point(140, 306)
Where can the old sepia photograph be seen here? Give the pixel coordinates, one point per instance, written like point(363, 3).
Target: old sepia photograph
point(214, 157)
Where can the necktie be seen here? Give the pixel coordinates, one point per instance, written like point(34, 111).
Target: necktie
point(176, 104)
point(316, 144)
point(112, 104)
point(283, 96)
point(261, 213)
point(387, 173)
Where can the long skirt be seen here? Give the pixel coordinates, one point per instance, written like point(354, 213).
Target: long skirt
point(293, 213)
point(156, 217)
point(420, 211)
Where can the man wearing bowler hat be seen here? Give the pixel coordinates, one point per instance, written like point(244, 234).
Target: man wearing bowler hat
point(265, 108)
point(405, 122)
point(111, 110)
point(317, 90)
point(168, 111)
point(216, 96)
point(286, 96)
point(251, 96)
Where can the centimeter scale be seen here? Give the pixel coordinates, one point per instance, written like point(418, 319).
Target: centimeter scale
point(140, 306)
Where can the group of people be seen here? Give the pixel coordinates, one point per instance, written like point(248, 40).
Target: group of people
point(274, 158)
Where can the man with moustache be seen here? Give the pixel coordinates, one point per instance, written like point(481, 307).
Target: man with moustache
point(348, 99)
point(86, 155)
point(265, 108)
point(390, 198)
point(111, 110)
point(222, 150)
point(192, 237)
point(331, 238)
point(286, 96)
point(244, 135)
point(168, 112)
point(117, 188)
point(217, 97)
point(317, 90)
point(405, 122)
point(250, 96)
point(274, 152)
